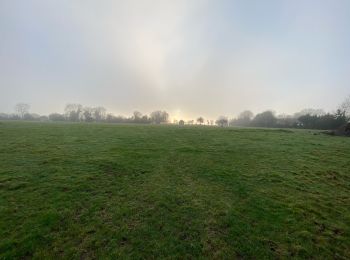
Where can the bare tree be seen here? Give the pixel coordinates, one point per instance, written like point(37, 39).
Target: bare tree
point(158, 117)
point(222, 121)
point(22, 109)
point(99, 113)
point(88, 114)
point(309, 111)
point(345, 106)
point(73, 112)
point(137, 117)
point(200, 120)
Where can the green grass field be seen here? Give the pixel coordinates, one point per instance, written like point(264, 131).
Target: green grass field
point(123, 191)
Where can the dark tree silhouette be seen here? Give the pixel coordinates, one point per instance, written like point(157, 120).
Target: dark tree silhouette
point(200, 120)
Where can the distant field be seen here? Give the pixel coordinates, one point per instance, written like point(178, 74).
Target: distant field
point(122, 191)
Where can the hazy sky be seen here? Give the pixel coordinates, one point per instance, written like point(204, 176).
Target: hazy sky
point(189, 57)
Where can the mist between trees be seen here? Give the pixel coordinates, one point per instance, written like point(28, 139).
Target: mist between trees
point(307, 118)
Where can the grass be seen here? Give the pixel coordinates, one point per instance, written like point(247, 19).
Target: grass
point(124, 191)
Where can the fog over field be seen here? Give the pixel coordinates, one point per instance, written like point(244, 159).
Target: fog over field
point(174, 129)
point(188, 57)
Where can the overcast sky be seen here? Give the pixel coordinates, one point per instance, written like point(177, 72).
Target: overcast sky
point(189, 57)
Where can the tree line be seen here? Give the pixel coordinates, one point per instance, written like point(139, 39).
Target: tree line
point(79, 113)
point(307, 118)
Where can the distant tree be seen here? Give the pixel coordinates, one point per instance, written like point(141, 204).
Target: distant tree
point(181, 122)
point(309, 111)
point(247, 115)
point(190, 122)
point(222, 121)
point(233, 122)
point(44, 118)
point(88, 114)
point(265, 119)
point(200, 120)
point(31, 117)
point(56, 117)
point(4, 116)
point(340, 116)
point(117, 119)
point(22, 109)
point(137, 117)
point(345, 106)
point(28, 117)
point(145, 119)
point(308, 121)
point(286, 121)
point(110, 118)
point(98, 113)
point(158, 117)
point(243, 119)
point(73, 112)
point(14, 117)
point(326, 121)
